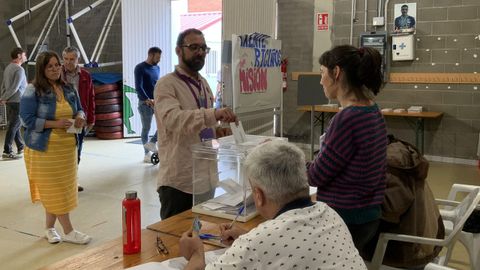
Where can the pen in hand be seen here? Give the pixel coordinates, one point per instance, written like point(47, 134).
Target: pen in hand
point(236, 217)
point(208, 236)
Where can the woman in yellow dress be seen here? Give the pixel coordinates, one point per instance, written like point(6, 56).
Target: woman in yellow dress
point(48, 108)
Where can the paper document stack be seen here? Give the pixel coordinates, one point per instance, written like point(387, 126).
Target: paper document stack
point(233, 198)
point(415, 109)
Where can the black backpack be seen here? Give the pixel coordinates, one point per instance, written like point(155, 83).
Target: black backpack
point(472, 224)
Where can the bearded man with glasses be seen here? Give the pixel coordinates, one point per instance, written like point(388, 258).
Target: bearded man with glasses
point(185, 115)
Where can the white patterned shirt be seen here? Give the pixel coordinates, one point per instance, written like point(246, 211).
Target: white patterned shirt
point(314, 237)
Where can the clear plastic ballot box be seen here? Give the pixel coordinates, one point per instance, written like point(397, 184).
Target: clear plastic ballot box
point(220, 187)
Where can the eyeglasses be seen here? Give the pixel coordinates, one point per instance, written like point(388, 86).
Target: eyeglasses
point(161, 248)
point(196, 47)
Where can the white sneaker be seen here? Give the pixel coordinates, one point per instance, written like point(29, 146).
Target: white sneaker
point(52, 236)
point(151, 146)
point(77, 237)
point(148, 158)
point(11, 156)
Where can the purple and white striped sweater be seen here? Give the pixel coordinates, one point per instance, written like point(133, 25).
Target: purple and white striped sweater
point(350, 169)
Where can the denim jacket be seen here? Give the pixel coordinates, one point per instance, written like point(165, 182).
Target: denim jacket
point(36, 109)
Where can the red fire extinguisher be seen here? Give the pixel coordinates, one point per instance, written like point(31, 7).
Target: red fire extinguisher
point(283, 68)
point(131, 223)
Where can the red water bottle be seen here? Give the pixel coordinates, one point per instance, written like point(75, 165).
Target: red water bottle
point(131, 223)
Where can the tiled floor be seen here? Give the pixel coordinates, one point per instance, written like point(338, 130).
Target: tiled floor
point(107, 170)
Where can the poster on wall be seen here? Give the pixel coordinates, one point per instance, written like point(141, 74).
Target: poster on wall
point(405, 16)
point(256, 74)
point(322, 21)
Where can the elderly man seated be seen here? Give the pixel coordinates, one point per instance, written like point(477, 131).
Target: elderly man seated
point(298, 233)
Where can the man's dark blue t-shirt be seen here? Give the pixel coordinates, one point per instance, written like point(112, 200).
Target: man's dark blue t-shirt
point(146, 76)
point(404, 22)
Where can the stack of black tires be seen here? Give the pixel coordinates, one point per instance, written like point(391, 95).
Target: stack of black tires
point(108, 111)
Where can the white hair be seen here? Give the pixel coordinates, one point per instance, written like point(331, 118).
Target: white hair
point(278, 168)
point(71, 49)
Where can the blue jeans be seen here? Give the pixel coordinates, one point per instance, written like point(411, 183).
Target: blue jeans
point(174, 201)
point(13, 129)
point(146, 114)
point(80, 138)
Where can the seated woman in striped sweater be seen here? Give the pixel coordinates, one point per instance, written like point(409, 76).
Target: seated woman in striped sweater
point(349, 169)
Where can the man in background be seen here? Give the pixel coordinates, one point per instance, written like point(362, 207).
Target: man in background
point(82, 82)
point(13, 85)
point(146, 76)
point(404, 21)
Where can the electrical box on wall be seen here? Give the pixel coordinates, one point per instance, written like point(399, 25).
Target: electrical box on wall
point(378, 21)
point(403, 47)
point(377, 40)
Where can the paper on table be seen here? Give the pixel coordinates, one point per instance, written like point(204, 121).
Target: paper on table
point(212, 205)
point(230, 199)
point(234, 194)
point(178, 262)
point(230, 186)
point(73, 129)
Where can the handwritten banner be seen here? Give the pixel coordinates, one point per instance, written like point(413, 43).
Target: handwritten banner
point(257, 78)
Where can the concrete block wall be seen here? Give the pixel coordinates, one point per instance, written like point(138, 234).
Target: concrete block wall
point(447, 41)
point(295, 28)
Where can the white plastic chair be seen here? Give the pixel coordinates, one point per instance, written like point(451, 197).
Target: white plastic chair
point(471, 241)
point(458, 215)
point(434, 266)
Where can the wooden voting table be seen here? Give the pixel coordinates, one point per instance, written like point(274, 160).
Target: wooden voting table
point(418, 121)
point(110, 255)
point(180, 223)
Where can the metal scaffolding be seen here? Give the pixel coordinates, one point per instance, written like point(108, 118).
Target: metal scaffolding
point(91, 61)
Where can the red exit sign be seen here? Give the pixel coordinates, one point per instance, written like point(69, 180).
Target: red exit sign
point(322, 21)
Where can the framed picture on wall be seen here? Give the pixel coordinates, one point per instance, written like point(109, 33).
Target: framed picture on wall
point(405, 16)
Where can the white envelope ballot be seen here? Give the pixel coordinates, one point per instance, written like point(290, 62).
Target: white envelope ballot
point(238, 132)
point(73, 129)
